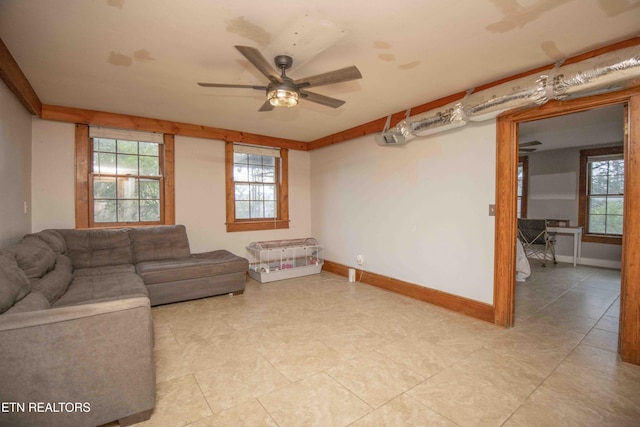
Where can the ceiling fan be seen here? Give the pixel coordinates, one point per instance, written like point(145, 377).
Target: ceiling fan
point(525, 146)
point(282, 91)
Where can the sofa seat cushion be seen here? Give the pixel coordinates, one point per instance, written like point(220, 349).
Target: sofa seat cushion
point(33, 302)
point(106, 270)
point(97, 248)
point(197, 266)
point(14, 284)
point(55, 283)
point(158, 243)
point(88, 289)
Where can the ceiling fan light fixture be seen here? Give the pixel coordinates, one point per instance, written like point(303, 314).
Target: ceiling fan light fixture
point(283, 97)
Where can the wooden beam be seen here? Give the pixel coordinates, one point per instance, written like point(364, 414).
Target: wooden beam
point(17, 82)
point(376, 126)
point(124, 121)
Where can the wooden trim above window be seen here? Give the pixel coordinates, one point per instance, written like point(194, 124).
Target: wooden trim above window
point(582, 195)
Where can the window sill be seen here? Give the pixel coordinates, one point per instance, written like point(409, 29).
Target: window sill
point(597, 238)
point(256, 225)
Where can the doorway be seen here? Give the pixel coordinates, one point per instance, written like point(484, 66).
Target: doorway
point(506, 193)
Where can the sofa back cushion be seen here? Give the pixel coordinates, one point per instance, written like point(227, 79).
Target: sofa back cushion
point(14, 284)
point(52, 238)
point(56, 282)
point(97, 248)
point(34, 257)
point(158, 243)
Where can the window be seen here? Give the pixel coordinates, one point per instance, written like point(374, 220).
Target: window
point(602, 194)
point(257, 188)
point(121, 178)
point(523, 186)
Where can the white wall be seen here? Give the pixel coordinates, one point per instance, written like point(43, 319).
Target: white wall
point(15, 168)
point(418, 212)
point(200, 192)
point(200, 197)
point(53, 175)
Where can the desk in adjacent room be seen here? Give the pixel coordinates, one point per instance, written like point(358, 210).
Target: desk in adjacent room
point(577, 239)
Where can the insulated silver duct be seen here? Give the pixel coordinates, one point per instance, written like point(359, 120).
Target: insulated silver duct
point(604, 73)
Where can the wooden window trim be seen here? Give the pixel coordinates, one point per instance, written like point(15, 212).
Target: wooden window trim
point(525, 185)
point(83, 190)
point(282, 222)
point(582, 198)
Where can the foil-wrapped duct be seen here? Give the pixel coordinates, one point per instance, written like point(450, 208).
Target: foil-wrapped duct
point(392, 137)
point(447, 117)
point(527, 91)
point(604, 73)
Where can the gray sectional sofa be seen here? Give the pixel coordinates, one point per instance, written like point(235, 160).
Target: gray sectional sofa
point(76, 332)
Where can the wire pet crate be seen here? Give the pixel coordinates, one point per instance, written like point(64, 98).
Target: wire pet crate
point(273, 260)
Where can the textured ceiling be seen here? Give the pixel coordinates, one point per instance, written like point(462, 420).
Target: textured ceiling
point(144, 57)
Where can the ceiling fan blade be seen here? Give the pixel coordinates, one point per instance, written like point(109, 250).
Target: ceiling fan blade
point(321, 99)
point(530, 144)
point(526, 150)
point(255, 57)
point(266, 106)
point(232, 86)
point(337, 76)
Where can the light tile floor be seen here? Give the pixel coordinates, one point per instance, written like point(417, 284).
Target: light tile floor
point(319, 351)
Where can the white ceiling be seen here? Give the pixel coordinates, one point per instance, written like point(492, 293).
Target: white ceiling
point(144, 57)
point(600, 126)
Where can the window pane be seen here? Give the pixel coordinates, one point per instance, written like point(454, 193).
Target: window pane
point(616, 184)
point(128, 147)
point(268, 161)
point(269, 174)
point(241, 173)
point(242, 192)
point(242, 210)
point(104, 188)
point(149, 166)
point(240, 158)
point(255, 173)
point(614, 224)
point(598, 205)
point(614, 205)
point(255, 159)
point(104, 211)
point(128, 210)
point(599, 184)
point(102, 144)
point(127, 188)
point(149, 189)
point(149, 149)
point(256, 192)
point(269, 192)
point(597, 224)
point(269, 209)
point(104, 163)
point(257, 210)
point(616, 167)
point(127, 165)
point(149, 210)
point(600, 168)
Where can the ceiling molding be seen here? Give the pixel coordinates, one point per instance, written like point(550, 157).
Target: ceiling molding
point(124, 121)
point(377, 125)
point(17, 82)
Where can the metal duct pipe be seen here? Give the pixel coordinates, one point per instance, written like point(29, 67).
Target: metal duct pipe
point(604, 73)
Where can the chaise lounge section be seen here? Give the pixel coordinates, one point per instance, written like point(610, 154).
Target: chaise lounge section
point(76, 331)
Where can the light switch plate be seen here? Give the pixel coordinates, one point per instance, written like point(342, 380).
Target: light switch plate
point(492, 210)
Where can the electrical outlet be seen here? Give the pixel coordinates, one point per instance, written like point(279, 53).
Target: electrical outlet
point(360, 259)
